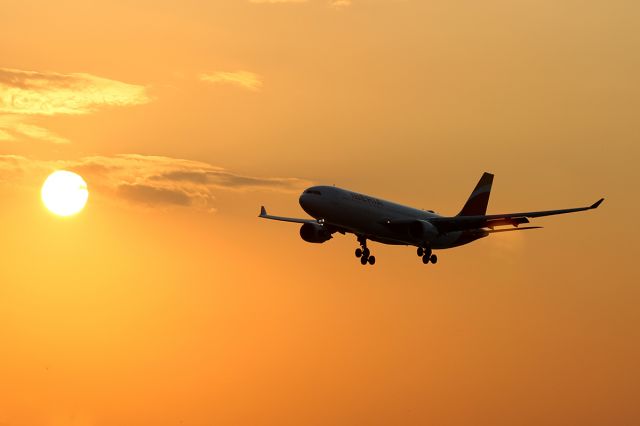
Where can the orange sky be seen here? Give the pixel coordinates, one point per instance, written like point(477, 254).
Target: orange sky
point(167, 302)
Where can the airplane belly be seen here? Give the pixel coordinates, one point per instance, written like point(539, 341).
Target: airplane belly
point(447, 240)
point(455, 239)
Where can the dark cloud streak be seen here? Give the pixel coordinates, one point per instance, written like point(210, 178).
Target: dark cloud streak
point(152, 196)
point(153, 181)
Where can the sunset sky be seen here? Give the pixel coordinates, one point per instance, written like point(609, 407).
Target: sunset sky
point(166, 301)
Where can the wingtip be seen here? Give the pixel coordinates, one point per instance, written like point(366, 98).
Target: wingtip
point(597, 203)
point(263, 211)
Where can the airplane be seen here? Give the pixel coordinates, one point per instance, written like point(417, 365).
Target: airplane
point(369, 218)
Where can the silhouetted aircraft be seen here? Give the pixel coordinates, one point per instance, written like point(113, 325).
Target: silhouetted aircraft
point(369, 218)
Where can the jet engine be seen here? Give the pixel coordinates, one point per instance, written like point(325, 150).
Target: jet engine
point(312, 233)
point(422, 230)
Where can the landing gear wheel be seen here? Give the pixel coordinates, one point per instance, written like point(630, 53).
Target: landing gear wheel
point(420, 251)
point(372, 260)
point(425, 259)
point(366, 252)
point(358, 252)
point(433, 259)
point(364, 260)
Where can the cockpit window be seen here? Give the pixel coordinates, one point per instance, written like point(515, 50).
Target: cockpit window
point(312, 191)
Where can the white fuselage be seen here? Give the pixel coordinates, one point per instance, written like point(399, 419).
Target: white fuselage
point(370, 217)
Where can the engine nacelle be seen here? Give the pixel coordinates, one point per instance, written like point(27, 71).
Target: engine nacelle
point(312, 233)
point(422, 230)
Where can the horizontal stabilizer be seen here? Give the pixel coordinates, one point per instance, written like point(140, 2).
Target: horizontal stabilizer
point(513, 221)
point(513, 229)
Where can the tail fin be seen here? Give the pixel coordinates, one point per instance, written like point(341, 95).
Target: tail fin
point(477, 203)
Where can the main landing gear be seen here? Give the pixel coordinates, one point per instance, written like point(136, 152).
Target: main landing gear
point(364, 253)
point(426, 255)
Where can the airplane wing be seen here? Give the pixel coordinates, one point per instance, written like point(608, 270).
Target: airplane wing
point(460, 223)
point(263, 214)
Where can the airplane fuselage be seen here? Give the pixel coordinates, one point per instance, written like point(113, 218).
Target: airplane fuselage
point(370, 217)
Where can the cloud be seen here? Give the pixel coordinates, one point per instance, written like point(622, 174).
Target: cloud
point(276, 1)
point(340, 3)
point(333, 3)
point(49, 93)
point(12, 126)
point(154, 181)
point(245, 79)
point(151, 195)
point(26, 94)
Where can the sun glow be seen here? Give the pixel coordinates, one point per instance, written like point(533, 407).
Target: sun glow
point(64, 193)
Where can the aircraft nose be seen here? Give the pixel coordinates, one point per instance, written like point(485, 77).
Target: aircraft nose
point(311, 201)
point(303, 200)
point(306, 203)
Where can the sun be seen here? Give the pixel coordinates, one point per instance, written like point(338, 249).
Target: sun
point(64, 193)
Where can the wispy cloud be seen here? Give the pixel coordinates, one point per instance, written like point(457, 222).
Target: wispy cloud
point(49, 93)
point(25, 94)
point(340, 3)
point(245, 79)
point(276, 1)
point(149, 180)
point(13, 127)
point(333, 3)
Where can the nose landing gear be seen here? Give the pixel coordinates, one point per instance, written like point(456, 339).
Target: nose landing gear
point(364, 253)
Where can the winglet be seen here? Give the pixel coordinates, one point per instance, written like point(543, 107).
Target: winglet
point(263, 211)
point(597, 203)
